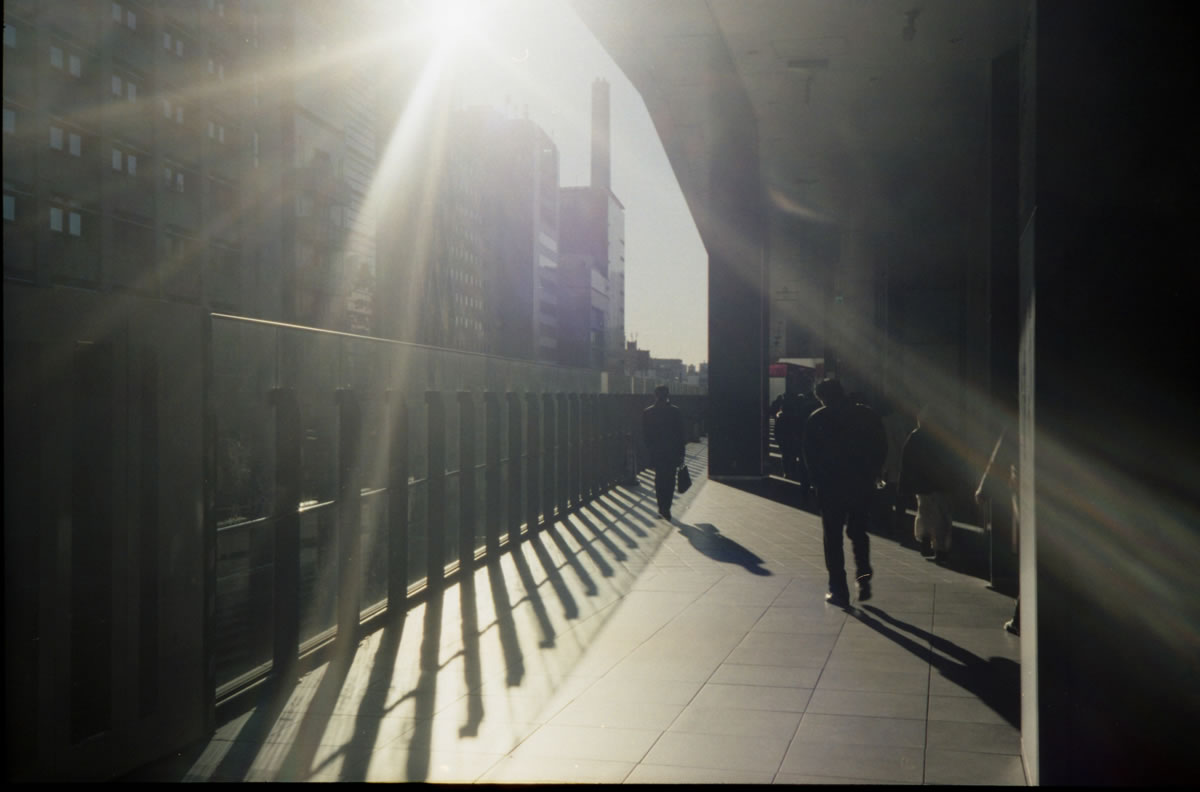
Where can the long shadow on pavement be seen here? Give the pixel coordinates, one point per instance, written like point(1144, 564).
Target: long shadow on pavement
point(995, 681)
point(707, 540)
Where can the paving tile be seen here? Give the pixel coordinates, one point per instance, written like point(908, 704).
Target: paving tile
point(774, 676)
point(562, 770)
point(807, 656)
point(974, 737)
point(882, 705)
point(870, 763)
point(835, 677)
point(799, 778)
point(723, 752)
point(700, 719)
point(761, 697)
point(980, 769)
point(668, 774)
point(618, 714)
point(855, 659)
point(587, 742)
point(962, 708)
point(859, 730)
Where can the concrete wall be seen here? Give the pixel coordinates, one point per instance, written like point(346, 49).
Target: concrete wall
point(1109, 548)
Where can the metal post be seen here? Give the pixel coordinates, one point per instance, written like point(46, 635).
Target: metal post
point(397, 504)
point(435, 521)
point(493, 498)
point(466, 480)
point(349, 514)
point(561, 467)
point(549, 497)
point(285, 515)
point(533, 453)
point(514, 467)
point(573, 448)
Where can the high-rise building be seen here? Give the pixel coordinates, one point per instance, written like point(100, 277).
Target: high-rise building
point(213, 153)
point(592, 256)
point(521, 233)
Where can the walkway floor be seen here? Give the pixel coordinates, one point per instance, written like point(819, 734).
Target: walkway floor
point(617, 647)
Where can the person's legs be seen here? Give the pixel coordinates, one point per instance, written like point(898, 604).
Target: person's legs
point(943, 530)
point(833, 517)
point(922, 530)
point(857, 520)
point(664, 488)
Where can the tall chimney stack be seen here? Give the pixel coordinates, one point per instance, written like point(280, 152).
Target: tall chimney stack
point(601, 154)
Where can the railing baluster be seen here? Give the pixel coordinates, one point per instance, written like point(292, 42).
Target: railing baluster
point(562, 473)
point(493, 499)
point(573, 450)
point(533, 454)
point(349, 514)
point(397, 438)
point(466, 480)
point(549, 421)
point(286, 517)
point(435, 520)
point(514, 466)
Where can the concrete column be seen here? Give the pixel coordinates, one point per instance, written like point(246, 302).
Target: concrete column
point(1108, 515)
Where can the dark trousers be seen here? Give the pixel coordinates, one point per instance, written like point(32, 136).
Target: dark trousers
point(664, 487)
point(852, 511)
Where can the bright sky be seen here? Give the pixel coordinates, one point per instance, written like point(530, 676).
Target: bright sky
point(554, 60)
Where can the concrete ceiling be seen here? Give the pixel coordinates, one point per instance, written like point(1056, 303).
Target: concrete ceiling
point(868, 113)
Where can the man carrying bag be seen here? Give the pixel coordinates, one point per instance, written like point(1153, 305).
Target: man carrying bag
point(666, 437)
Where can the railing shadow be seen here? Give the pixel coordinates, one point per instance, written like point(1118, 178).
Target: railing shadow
point(995, 681)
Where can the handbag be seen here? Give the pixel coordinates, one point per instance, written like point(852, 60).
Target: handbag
point(684, 481)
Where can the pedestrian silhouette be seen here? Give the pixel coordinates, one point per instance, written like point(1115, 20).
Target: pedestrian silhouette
point(844, 448)
point(666, 438)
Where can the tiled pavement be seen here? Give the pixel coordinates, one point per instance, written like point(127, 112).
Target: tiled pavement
point(616, 647)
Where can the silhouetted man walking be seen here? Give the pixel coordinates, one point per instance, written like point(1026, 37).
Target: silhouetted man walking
point(666, 437)
point(844, 447)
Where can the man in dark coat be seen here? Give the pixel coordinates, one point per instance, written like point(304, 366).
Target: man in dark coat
point(666, 437)
point(844, 447)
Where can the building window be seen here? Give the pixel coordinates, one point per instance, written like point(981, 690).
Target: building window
point(56, 138)
point(10, 36)
point(166, 40)
point(179, 47)
point(179, 181)
point(74, 65)
point(166, 108)
point(117, 86)
point(178, 114)
point(168, 176)
point(131, 20)
point(131, 90)
point(116, 12)
point(75, 144)
point(10, 123)
point(116, 160)
point(10, 207)
point(56, 57)
point(74, 223)
point(56, 218)
point(131, 164)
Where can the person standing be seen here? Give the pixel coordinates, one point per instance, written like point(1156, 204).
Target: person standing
point(844, 448)
point(665, 436)
point(926, 471)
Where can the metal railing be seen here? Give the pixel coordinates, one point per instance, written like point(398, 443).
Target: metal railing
point(353, 472)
